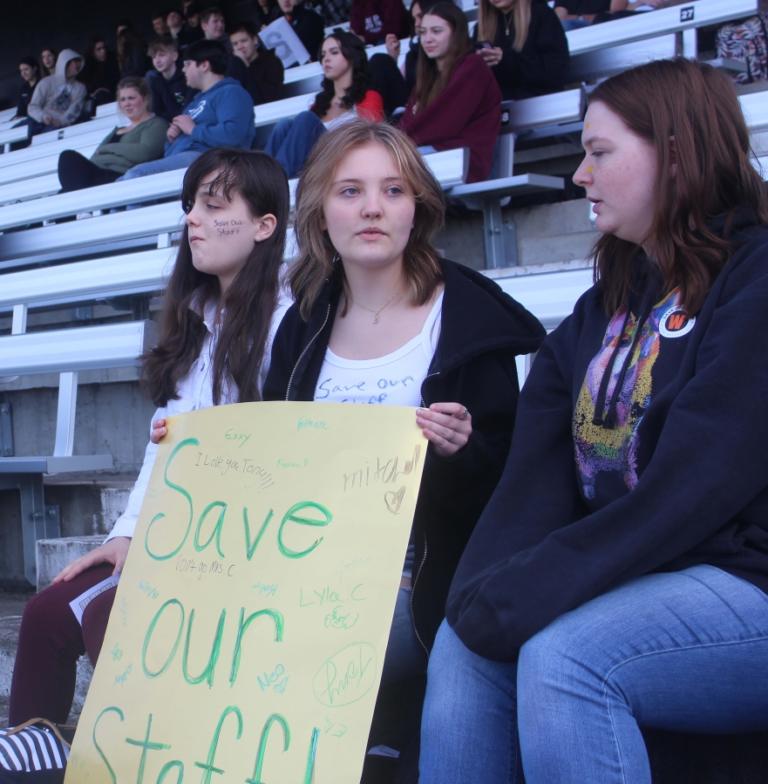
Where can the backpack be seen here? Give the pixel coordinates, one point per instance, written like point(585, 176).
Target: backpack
point(33, 753)
point(746, 41)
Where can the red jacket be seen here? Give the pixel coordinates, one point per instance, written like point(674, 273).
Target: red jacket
point(466, 114)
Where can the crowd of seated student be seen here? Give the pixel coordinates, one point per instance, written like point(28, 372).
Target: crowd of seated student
point(58, 100)
point(220, 114)
point(449, 92)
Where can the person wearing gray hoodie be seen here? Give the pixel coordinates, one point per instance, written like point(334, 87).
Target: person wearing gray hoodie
point(58, 99)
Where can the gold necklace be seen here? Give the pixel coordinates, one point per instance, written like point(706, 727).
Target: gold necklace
point(377, 313)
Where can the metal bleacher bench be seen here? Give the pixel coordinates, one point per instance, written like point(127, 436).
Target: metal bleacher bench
point(66, 352)
point(499, 236)
point(679, 19)
point(447, 166)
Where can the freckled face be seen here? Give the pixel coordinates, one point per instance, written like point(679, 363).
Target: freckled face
point(619, 173)
point(221, 232)
point(369, 208)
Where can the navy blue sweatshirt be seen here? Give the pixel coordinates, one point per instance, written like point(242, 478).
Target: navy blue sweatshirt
point(638, 447)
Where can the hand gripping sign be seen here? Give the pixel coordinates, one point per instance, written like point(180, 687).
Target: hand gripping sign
point(251, 619)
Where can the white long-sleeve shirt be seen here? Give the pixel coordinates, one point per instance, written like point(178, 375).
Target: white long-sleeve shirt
point(195, 392)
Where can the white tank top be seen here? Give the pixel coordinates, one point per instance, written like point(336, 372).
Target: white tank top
point(392, 380)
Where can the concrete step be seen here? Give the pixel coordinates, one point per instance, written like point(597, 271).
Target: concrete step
point(54, 554)
point(11, 608)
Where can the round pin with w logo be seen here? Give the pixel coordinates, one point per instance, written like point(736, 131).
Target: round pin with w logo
point(676, 322)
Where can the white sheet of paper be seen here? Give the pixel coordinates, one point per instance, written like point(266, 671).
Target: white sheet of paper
point(79, 604)
point(279, 36)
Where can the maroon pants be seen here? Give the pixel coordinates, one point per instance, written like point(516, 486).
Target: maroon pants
point(50, 643)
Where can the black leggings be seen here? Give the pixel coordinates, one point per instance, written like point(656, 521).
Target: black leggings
point(76, 172)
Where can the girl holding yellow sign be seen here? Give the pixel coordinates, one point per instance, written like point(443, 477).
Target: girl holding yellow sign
point(222, 306)
point(380, 319)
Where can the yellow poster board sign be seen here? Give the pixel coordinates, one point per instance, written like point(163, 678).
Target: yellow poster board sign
point(250, 624)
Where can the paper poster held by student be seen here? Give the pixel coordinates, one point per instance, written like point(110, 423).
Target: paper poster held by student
point(251, 619)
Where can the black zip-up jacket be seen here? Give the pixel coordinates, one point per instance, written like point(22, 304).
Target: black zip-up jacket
point(699, 494)
point(482, 330)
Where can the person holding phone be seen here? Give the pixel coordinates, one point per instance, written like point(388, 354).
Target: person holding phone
point(524, 44)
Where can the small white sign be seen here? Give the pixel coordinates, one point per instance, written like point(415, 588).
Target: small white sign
point(279, 37)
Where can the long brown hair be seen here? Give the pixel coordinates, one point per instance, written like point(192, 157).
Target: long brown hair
point(430, 81)
point(353, 51)
point(317, 255)
point(690, 113)
point(249, 301)
point(489, 18)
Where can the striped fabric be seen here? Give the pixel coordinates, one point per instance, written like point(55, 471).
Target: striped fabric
point(31, 749)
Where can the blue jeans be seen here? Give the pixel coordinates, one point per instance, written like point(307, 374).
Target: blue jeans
point(179, 161)
point(292, 139)
point(684, 651)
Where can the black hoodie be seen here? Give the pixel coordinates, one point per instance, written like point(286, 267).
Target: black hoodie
point(620, 468)
point(482, 330)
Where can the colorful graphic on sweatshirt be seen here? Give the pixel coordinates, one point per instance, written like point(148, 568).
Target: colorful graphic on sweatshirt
point(601, 449)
